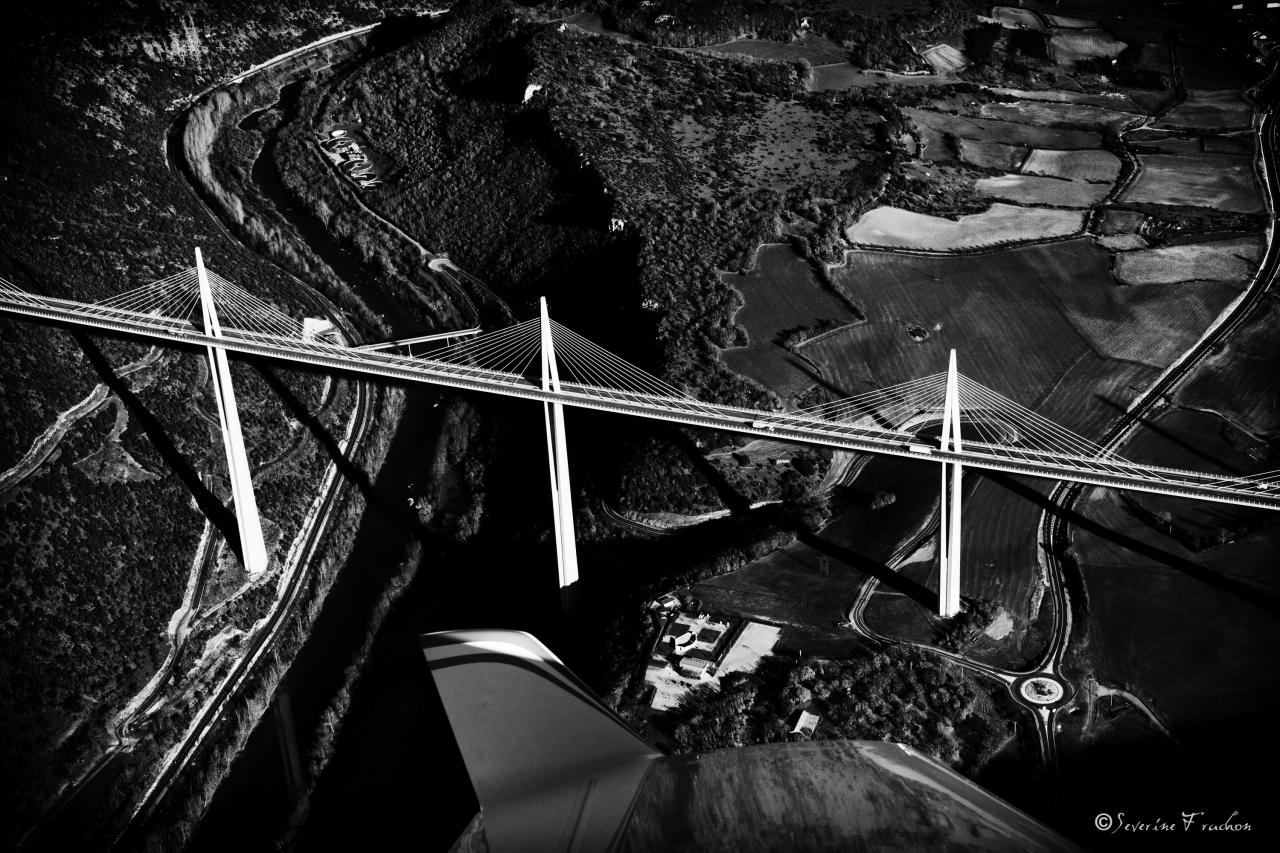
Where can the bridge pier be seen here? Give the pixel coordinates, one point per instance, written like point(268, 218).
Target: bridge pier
point(949, 527)
point(558, 460)
point(253, 551)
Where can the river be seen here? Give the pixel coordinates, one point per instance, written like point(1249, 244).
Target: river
point(253, 804)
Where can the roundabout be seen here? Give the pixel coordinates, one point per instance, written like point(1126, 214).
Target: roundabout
point(1042, 690)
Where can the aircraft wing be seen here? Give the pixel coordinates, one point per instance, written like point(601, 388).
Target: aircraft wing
point(556, 770)
point(553, 768)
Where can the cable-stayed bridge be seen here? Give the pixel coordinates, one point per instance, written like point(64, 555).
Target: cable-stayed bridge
point(540, 359)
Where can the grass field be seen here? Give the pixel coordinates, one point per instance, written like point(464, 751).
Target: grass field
point(1058, 113)
point(1206, 180)
point(1210, 109)
point(791, 146)
point(1001, 223)
point(1074, 165)
point(779, 295)
point(1035, 189)
point(1217, 260)
point(934, 125)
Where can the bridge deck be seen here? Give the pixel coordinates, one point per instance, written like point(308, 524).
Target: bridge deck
point(799, 428)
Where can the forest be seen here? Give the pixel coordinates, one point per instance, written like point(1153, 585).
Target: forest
point(896, 694)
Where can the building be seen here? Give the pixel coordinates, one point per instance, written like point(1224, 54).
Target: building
point(806, 723)
point(695, 666)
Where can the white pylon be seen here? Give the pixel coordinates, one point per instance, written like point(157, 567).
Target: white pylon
point(558, 460)
point(949, 528)
point(253, 550)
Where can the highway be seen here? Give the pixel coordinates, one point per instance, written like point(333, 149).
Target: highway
point(793, 427)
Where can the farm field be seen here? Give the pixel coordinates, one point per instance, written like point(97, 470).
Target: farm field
point(1203, 441)
point(1057, 112)
point(1251, 558)
point(1219, 181)
point(999, 553)
point(780, 295)
point(1122, 242)
point(1229, 145)
point(1121, 221)
point(1002, 513)
point(989, 155)
point(1150, 325)
point(1036, 189)
point(1093, 393)
point(1176, 613)
point(896, 228)
point(810, 585)
point(1170, 145)
point(1073, 165)
point(945, 59)
point(934, 126)
point(1021, 314)
point(1206, 68)
point(1067, 47)
point(1242, 380)
point(1017, 18)
point(842, 76)
point(1227, 643)
point(1116, 101)
point(1210, 109)
point(1217, 260)
point(1063, 22)
point(817, 50)
point(993, 307)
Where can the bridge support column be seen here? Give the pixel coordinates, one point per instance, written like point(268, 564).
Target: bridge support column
point(949, 528)
point(253, 551)
point(558, 459)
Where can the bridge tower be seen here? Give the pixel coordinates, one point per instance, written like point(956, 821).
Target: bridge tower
point(949, 527)
point(253, 550)
point(558, 458)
